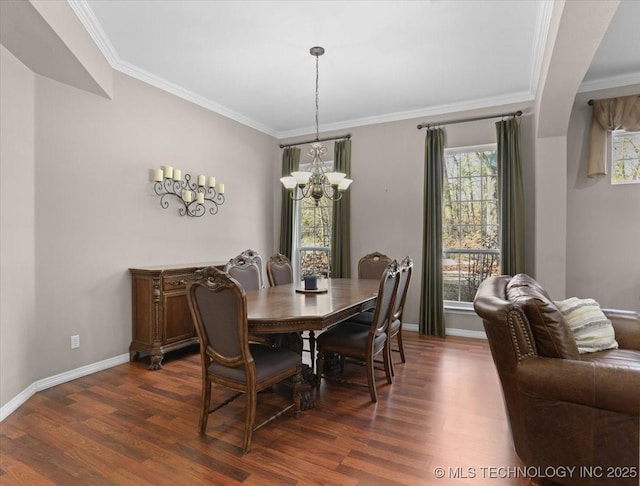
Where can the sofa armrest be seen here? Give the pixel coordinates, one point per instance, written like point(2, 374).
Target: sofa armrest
point(598, 385)
point(626, 325)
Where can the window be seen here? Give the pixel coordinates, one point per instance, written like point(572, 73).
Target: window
point(625, 157)
point(312, 238)
point(470, 222)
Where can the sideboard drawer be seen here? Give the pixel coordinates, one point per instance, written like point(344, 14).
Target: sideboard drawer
point(176, 282)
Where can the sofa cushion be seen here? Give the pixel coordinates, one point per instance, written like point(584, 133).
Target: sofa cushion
point(621, 358)
point(552, 335)
point(591, 329)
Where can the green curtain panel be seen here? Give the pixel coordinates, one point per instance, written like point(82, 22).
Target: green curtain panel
point(290, 163)
point(511, 196)
point(341, 224)
point(431, 291)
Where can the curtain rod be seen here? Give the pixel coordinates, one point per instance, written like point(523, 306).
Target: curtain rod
point(339, 137)
point(464, 120)
point(590, 102)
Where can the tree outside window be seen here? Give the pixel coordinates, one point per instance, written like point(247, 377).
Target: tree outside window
point(470, 221)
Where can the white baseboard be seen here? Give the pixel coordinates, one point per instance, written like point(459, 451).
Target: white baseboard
point(13, 404)
point(450, 331)
point(466, 333)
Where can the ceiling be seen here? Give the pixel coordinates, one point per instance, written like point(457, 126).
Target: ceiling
point(384, 60)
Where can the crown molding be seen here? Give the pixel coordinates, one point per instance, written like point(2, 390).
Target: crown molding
point(179, 91)
point(90, 22)
point(523, 97)
point(539, 43)
point(610, 82)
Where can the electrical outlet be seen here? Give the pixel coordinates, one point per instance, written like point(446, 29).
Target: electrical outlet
point(75, 341)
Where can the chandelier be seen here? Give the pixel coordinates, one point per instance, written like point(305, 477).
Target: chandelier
point(318, 182)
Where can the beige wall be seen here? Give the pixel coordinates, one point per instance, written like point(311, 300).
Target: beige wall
point(18, 329)
point(603, 221)
point(96, 215)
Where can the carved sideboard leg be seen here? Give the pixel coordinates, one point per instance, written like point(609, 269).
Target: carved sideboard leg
point(156, 361)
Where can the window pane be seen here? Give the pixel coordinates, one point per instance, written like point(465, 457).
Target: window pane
point(470, 233)
point(625, 157)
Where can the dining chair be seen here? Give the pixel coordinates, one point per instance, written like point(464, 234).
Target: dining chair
point(364, 343)
point(373, 265)
point(218, 307)
point(279, 270)
point(246, 268)
point(395, 324)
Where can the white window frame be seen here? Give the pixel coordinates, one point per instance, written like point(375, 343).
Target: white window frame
point(456, 305)
point(614, 135)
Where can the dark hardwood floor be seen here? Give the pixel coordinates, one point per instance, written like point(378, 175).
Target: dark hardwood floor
point(128, 425)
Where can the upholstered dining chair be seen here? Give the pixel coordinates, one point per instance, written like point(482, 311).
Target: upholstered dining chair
point(364, 343)
point(246, 268)
point(373, 265)
point(279, 270)
point(218, 307)
point(395, 323)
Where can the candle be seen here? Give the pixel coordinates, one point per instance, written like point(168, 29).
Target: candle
point(220, 188)
point(158, 174)
point(212, 182)
point(201, 180)
point(200, 197)
point(187, 196)
point(177, 175)
point(168, 172)
point(311, 282)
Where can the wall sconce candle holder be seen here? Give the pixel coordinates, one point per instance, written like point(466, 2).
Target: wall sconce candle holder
point(196, 197)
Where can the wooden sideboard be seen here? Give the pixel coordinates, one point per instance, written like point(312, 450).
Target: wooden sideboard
point(161, 321)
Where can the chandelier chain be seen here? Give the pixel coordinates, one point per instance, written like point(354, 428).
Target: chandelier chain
point(317, 98)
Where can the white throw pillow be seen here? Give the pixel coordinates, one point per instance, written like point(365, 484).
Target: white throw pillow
point(592, 330)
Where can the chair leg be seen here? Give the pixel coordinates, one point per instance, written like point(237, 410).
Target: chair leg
point(371, 380)
point(386, 358)
point(204, 406)
point(400, 344)
point(319, 367)
point(252, 397)
point(312, 349)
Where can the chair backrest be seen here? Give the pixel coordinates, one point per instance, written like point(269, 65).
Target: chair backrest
point(279, 270)
point(219, 310)
point(373, 265)
point(406, 269)
point(246, 268)
point(384, 303)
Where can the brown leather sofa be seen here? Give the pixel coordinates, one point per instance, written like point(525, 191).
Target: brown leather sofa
point(566, 410)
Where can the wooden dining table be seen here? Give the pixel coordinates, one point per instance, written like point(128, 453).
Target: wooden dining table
point(288, 310)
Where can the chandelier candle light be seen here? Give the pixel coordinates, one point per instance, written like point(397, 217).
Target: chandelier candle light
point(196, 197)
point(316, 183)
